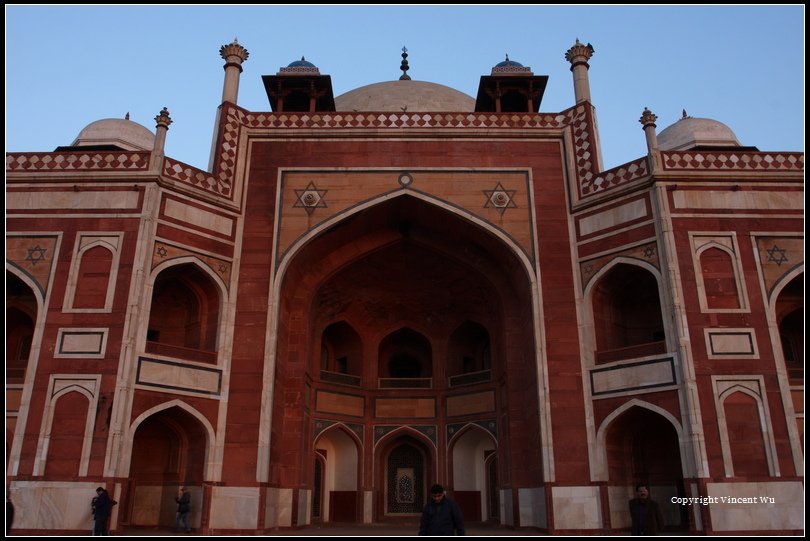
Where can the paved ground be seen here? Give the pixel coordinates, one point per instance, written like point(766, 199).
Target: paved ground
point(354, 530)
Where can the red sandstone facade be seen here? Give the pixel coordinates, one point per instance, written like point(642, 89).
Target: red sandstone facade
point(353, 305)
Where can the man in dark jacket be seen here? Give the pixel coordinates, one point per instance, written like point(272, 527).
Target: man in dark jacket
point(645, 513)
point(183, 500)
point(102, 507)
point(441, 516)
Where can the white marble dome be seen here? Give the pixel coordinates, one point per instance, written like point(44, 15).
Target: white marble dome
point(120, 132)
point(405, 96)
point(690, 132)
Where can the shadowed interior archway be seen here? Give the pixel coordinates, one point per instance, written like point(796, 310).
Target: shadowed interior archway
point(168, 451)
point(418, 285)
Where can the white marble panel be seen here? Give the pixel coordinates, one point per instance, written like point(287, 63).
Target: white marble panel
point(368, 502)
point(178, 376)
point(632, 376)
point(198, 217)
point(278, 507)
point(304, 506)
point(759, 506)
point(612, 217)
point(618, 499)
point(576, 508)
point(532, 502)
point(72, 200)
point(52, 505)
point(85, 343)
point(742, 200)
point(507, 517)
point(731, 343)
point(234, 508)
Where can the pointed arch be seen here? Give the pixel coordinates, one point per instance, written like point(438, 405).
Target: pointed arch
point(209, 469)
point(498, 242)
point(13, 456)
point(601, 465)
point(607, 336)
point(197, 262)
point(192, 328)
point(467, 428)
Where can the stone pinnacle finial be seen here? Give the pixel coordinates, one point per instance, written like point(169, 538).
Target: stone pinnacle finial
point(647, 118)
point(163, 119)
point(404, 65)
point(648, 124)
point(579, 54)
point(233, 53)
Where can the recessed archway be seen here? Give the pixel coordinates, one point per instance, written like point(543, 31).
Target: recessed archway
point(405, 275)
point(169, 450)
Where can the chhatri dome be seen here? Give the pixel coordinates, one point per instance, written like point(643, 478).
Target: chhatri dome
point(690, 132)
point(120, 132)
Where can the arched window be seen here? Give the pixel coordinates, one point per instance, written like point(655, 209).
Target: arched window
point(790, 317)
point(405, 355)
point(719, 282)
point(341, 354)
point(94, 278)
point(469, 354)
point(627, 314)
point(21, 313)
point(184, 317)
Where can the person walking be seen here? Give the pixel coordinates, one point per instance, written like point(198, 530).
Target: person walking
point(442, 516)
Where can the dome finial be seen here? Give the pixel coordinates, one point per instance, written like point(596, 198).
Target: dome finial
point(404, 65)
point(684, 115)
point(126, 116)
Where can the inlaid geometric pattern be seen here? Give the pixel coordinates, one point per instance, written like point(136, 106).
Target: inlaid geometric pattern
point(322, 424)
point(381, 430)
point(500, 199)
point(310, 198)
point(733, 161)
point(645, 252)
point(777, 257)
point(34, 255)
point(400, 120)
point(77, 161)
point(489, 425)
point(164, 252)
point(217, 184)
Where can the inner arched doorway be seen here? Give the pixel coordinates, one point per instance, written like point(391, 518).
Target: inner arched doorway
point(405, 473)
point(643, 447)
point(168, 451)
point(336, 471)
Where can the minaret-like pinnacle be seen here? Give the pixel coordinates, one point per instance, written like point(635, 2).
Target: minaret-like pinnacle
point(163, 119)
point(647, 118)
point(579, 54)
point(233, 53)
point(404, 65)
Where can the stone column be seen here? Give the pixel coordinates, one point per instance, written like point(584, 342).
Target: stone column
point(233, 54)
point(161, 128)
point(647, 120)
point(578, 55)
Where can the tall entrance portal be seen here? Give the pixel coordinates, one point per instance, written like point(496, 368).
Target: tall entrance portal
point(406, 324)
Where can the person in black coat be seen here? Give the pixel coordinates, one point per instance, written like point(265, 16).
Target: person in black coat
point(102, 508)
point(645, 513)
point(441, 516)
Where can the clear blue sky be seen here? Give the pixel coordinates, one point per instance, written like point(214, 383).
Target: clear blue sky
point(67, 66)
